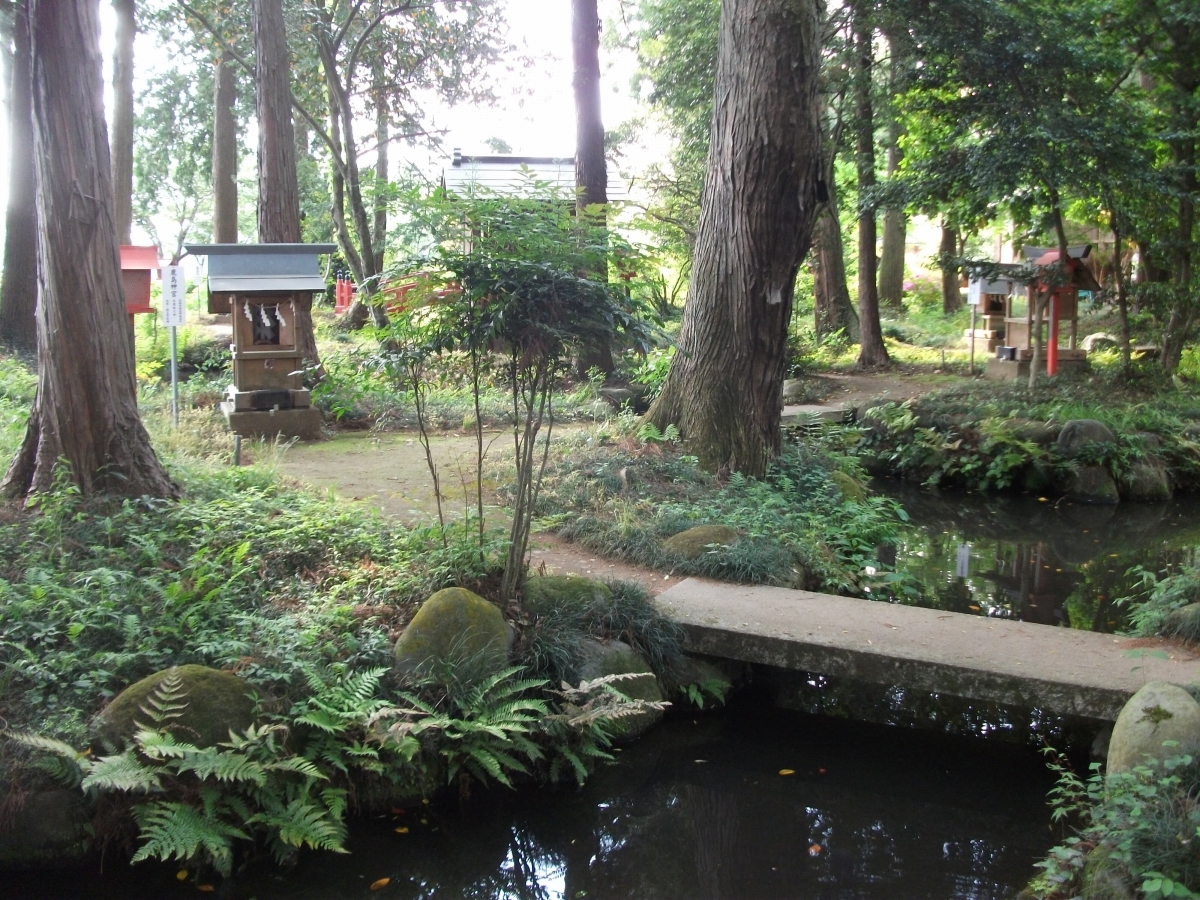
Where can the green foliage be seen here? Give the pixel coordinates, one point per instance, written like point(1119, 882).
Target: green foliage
point(551, 647)
point(1143, 822)
point(712, 689)
point(798, 527)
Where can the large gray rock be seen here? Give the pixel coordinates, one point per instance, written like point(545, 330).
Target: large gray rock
point(48, 831)
point(1092, 484)
point(1079, 434)
point(797, 390)
point(618, 658)
point(1035, 432)
point(217, 702)
point(1146, 481)
point(1159, 712)
point(455, 633)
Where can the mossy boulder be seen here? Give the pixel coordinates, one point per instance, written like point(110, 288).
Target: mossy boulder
point(695, 542)
point(849, 486)
point(1041, 433)
point(457, 631)
point(546, 594)
point(1146, 481)
point(1092, 484)
point(1080, 434)
point(217, 702)
point(618, 658)
point(1159, 712)
point(1038, 476)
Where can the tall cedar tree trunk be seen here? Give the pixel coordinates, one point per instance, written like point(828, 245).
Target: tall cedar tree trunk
point(832, 308)
point(18, 290)
point(122, 127)
point(224, 152)
point(1183, 310)
point(85, 410)
point(951, 294)
point(895, 232)
point(872, 351)
point(891, 257)
point(765, 159)
point(278, 190)
point(347, 187)
point(379, 226)
point(591, 171)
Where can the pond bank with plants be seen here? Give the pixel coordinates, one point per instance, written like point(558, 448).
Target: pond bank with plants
point(1092, 442)
point(249, 587)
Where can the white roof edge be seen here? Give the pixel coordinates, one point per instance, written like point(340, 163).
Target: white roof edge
point(257, 284)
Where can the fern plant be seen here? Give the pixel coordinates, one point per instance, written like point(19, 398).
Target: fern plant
point(579, 733)
point(200, 800)
point(490, 737)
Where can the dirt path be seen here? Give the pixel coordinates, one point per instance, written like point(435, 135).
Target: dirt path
point(390, 473)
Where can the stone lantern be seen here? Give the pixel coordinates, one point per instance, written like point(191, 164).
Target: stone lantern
point(256, 284)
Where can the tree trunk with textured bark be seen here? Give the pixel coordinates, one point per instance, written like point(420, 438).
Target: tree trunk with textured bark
point(278, 189)
point(832, 308)
point(18, 290)
point(895, 222)
point(951, 293)
point(591, 169)
point(895, 228)
point(871, 351)
point(724, 388)
point(122, 125)
point(85, 411)
point(224, 152)
point(1183, 310)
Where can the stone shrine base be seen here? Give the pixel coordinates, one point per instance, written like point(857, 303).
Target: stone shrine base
point(304, 423)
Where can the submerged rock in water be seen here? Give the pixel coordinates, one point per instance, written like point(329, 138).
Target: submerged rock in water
point(618, 658)
point(49, 830)
point(1146, 481)
point(695, 542)
point(1159, 712)
point(1079, 434)
point(217, 702)
point(1092, 484)
point(455, 631)
point(545, 594)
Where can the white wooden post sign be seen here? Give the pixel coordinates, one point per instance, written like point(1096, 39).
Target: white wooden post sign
point(174, 314)
point(963, 567)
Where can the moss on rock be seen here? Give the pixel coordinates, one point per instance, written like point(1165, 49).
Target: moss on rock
point(695, 542)
point(216, 703)
point(545, 594)
point(455, 631)
point(618, 658)
point(849, 486)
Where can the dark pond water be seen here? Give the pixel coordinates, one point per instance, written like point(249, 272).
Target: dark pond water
point(697, 810)
point(1055, 563)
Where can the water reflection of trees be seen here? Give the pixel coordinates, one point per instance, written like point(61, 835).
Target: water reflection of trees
point(1050, 563)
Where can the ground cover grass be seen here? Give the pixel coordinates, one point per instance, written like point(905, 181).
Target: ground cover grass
point(621, 491)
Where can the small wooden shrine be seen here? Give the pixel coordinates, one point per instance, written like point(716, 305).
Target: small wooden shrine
point(138, 265)
point(1015, 355)
point(256, 284)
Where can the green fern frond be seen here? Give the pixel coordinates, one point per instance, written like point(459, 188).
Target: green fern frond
point(303, 823)
point(180, 831)
point(298, 765)
point(121, 773)
point(223, 765)
point(64, 764)
point(167, 701)
point(160, 745)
